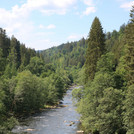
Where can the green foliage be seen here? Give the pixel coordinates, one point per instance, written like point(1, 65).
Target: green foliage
point(10, 71)
point(106, 103)
point(2, 106)
point(100, 104)
point(9, 88)
point(81, 76)
point(56, 85)
point(77, 94)
point(130, 53)
point(66, 55)
point(95, 49)
point(129, 60)
point(8, 125)
point(129, 110)
point(15, 45)
point(52, 97)
point(4, 43)
point(132, 14)
point(29, 94)
point(26, 55)
point(36, 66)
point(48, 69)
point(73, 74)
point(115, 43)
point(90, 101)
point(106, 63)
point(2, 63)
point(110, 111)
point(120, 74)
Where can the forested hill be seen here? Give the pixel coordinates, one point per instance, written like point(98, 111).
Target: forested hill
point(68, 54)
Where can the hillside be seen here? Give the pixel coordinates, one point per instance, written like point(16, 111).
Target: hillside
point(68, 54)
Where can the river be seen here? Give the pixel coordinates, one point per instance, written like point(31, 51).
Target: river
point(61, 120)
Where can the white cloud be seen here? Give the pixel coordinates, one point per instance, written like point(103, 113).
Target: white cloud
point(49, 12)
point(63, 3)
point(77, 13)
point(120, 0)
point(49, 7)
point(51, 26)
point(41, 26)
point(127, 5)
point(88, 2)
point(89, 10)
point(18, 16)
point(90, 7)
point(17, 22)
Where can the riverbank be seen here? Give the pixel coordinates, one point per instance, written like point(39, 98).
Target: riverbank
point(55, 120)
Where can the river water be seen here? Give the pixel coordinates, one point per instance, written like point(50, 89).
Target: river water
point(62, 120)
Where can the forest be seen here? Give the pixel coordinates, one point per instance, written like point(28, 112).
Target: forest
point(103, 64)
point(106, 103)
point(27, 83)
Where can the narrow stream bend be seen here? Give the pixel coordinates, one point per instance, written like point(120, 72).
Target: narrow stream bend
point(63, 120)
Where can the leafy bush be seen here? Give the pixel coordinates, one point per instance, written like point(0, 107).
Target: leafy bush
point(30, 93)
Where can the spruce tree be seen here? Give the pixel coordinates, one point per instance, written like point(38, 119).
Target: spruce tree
point(16, 44)
point(129, 110)
point(129, 34)
point(129, 100)
point(132, 14)
point(11, 68)
point(95, 49)
point(2, 63)
point(4, 43)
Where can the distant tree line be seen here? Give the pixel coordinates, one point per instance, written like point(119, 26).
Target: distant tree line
point(68, 54)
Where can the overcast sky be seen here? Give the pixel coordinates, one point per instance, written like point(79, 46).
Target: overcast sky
point(42, 24)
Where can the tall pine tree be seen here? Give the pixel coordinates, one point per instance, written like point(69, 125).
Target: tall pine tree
point(129, 34)
point(16, 44)
point(132, 14)
point(129, 100)
point(4, 43)
point(95, 49)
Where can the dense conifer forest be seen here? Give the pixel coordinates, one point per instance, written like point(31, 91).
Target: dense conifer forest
point(103, 64)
